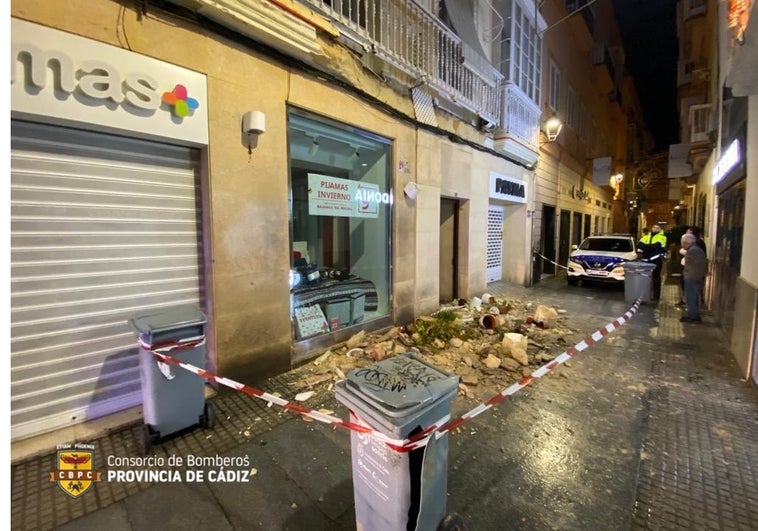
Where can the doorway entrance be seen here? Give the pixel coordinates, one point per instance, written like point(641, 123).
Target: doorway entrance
point(448, 249)
point(564, 240)
point(547, 242)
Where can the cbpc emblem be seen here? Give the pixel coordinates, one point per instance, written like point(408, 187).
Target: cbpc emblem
point(75, 474)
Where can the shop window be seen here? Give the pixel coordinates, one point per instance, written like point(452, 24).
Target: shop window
point(340, 225)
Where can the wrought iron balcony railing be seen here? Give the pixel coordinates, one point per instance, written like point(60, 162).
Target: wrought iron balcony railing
point(412, 39)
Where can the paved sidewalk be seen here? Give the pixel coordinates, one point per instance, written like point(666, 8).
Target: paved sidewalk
point(649, 429)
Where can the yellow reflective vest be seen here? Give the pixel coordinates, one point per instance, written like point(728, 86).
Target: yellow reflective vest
point(651, 239)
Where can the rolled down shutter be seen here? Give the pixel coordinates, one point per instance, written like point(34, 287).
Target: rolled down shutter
point(102, 227)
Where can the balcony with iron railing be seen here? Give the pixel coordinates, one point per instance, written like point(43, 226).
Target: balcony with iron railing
point(702, 128)
point(520, 129)
point(407, 36)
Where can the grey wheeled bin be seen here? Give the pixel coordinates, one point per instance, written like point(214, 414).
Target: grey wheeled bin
point(398, 397)
point(638, 280)
point(173, 398)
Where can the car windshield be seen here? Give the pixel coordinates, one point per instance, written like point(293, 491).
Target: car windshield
point(613, 245)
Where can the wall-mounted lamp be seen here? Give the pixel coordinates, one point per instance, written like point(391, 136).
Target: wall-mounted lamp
point(314, 147)
point(615, 180)
point(254, 122)
point(553, 128)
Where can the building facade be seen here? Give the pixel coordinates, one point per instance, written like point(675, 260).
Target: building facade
point(735, 180)
point(717, 161)
point(586, 88)
point(298, 174)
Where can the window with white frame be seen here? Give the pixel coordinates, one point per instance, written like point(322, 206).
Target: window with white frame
point(571, 107)
point(555, 87)
point(525, 56)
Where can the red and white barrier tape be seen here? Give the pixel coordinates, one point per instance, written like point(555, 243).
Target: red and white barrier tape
point(549, 260)
point(160, 352)
point(438, 429)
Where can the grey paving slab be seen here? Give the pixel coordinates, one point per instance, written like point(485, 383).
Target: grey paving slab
point(271, 499)
point(113, 518)
point(176, 506)
point(314, 462)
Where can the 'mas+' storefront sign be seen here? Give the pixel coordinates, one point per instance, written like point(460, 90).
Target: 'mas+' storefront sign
point(63, 78)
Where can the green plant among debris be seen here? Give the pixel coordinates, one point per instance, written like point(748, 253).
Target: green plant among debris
point(444, 326)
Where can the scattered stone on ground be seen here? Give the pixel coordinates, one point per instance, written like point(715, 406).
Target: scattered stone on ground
point(489, 354)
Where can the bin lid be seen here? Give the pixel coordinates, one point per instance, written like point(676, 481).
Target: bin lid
point(401, 384)
point(638, 266)
point(165, 319)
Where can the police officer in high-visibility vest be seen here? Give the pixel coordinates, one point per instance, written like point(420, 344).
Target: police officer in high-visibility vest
point(653, 248)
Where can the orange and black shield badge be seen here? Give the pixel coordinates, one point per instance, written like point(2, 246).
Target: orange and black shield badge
point(75, 475)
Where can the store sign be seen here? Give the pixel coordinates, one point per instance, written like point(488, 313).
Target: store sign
point(728, 160)
point(331, 196)
point(507, 188)
point(64, 78)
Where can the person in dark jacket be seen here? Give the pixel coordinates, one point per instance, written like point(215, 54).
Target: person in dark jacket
point(700, 242)
point(695, 269)
point(653, 248)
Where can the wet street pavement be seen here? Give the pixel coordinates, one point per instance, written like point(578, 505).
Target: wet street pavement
point(650, 428)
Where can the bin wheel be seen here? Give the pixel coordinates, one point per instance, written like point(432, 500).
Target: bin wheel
point(148, 438)
point(208, 418)
point(452, 522)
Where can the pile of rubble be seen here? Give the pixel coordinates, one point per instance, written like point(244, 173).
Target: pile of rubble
point(490, 343)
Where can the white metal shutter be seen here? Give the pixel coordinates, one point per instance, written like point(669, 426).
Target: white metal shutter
point(102, 227)
point(495, 216)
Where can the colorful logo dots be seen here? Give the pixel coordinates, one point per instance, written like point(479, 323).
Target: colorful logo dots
point(181, 102)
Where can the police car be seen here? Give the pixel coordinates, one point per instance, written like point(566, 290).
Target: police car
point(601, 258)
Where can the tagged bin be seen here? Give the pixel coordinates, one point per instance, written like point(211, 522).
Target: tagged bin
point(638, 280)
point(399, 397)
point(172, 398)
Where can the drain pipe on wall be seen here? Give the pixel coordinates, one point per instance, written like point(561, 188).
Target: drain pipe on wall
point(531, 211)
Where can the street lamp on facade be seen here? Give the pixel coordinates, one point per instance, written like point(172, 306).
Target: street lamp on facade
point(553, 128)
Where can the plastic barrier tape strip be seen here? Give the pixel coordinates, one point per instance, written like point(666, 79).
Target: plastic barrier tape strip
point(438, 429)
point(549, 260)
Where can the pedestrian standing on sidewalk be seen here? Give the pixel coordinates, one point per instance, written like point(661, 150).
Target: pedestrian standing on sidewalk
point(653, 248)
point(695, 268)
point(695, 231)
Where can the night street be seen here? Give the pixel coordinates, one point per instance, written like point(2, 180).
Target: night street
point(649, 428)
point(383, 265)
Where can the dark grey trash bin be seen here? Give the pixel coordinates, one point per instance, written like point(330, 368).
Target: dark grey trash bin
point(172, 398)
point(399, 397)
point(638, 280)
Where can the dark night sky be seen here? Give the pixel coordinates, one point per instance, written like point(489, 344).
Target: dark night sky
point(648, 28)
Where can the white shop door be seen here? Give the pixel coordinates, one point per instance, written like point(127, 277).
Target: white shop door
point(102, 227)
